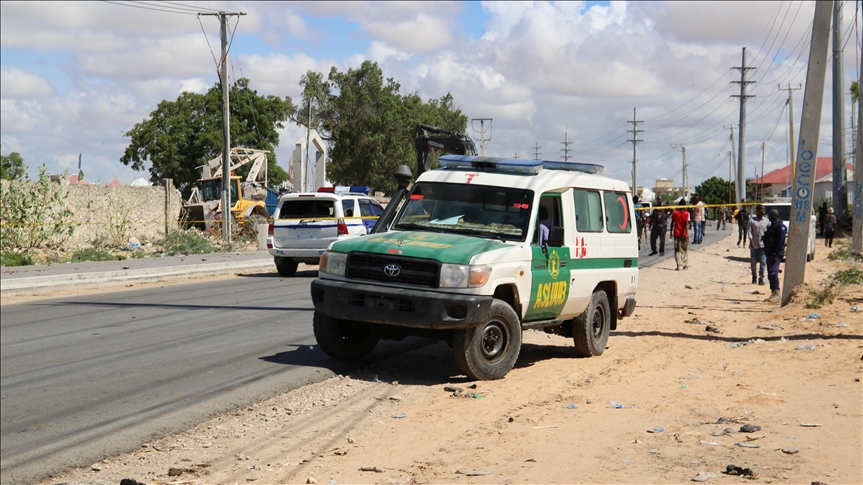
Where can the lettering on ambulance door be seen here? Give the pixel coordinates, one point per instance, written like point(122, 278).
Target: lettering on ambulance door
point(549, 287)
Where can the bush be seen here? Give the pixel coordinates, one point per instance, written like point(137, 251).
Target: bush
point(34, 213)
point(843, 252)
point(829, 290)
point(9, 258)
point(189, 242)
point(93, 254)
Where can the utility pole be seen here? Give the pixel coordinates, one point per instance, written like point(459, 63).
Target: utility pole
point(226, 124)
point(536, 151)
point(635, 131)
point(306, 186)
point(840, 172)
point(741, 152)
point(857, 229)
point(733, 161)
point(761, 191)
point(804, 179)
point(482, 138)
point(685, 171)
point(566, 143)
point(790, 103)
point(730, 164)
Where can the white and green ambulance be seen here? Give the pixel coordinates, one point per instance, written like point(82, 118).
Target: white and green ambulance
point(482, 249)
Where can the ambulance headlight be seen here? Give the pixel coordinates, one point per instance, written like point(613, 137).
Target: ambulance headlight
point(463, 276)
point(333, 263)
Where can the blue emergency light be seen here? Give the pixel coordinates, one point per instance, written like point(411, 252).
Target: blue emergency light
point(514, 165)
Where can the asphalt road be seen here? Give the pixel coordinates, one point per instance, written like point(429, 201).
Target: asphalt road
point(92, 376)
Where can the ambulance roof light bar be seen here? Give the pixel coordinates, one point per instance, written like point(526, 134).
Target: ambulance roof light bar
point(514, 165)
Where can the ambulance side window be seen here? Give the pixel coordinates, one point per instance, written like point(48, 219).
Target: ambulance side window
point(549, 215)
point(588, 210)
point(617, 212)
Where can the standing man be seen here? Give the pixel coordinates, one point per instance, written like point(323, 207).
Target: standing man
point(721, 215)
point(639, 219)
point(698, 220)
point(658, 225)
point(742, 219)
point(829, 230)
point(822, 214)
point(679, 220)
point(757, 227)
point(774, 247)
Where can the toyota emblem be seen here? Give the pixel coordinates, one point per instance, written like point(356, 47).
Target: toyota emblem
point(392, 270)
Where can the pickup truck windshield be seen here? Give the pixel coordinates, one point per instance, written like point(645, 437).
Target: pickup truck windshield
point(475, 210)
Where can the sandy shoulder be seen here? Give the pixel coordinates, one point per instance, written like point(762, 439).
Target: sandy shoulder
point(549, 420)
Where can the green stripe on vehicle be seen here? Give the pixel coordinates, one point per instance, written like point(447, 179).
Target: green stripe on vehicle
point(446, 248)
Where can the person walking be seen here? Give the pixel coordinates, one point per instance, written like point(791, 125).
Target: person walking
point(721, 215)
point(822, 214)
point(829, 228)
point(757, 227)
point(679, 221)
point(774, 248)
point(742, 219)
point(658, 225)
point(698, 220)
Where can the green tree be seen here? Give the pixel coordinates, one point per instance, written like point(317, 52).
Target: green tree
point(369, 124)
point(716, 191)
point(12, 166)
point(855, 92)
point(182, 135)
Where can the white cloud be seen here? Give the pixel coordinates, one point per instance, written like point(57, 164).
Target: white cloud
point(423, 33)
point(504, 16)
point(380, 52)
point(196, 85)
point(18, 83)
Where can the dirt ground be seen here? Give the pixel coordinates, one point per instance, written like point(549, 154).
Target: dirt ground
point(551, 419)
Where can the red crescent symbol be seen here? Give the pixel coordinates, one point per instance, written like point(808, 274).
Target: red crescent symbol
point(625, 213)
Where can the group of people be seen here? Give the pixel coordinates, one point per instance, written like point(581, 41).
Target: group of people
point(766, 248)
point(766, 237)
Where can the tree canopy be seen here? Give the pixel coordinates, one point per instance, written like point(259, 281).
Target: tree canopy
point(12, 166)
point(716, 191)
point(181, 135)
point(368, 123)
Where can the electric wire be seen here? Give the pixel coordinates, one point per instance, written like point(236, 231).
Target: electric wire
point(148, 7)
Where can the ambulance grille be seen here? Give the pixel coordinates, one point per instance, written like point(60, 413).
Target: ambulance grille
point(376, 267)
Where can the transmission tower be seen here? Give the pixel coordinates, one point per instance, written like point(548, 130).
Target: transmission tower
point(566, 143)
point(537, 150)
point(741, 151)
point(635, 131)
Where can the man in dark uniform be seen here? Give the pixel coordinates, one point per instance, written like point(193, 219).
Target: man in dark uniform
point(774, 248)
point(658, 226)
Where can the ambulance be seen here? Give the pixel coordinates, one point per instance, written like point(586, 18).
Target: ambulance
point(481, 250)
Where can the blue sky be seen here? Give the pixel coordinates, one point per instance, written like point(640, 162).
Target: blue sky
point(77, 75)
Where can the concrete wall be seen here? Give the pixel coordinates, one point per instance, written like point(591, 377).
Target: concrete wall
point(106, 216)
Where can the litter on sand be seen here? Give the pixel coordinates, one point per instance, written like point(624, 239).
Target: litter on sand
point(617, 405)
point(473, 474)
point(805, 347)
point(656, 430)
point(810, 425)
point(747, 445)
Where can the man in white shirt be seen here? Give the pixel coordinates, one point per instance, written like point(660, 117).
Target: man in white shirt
point(757, 227)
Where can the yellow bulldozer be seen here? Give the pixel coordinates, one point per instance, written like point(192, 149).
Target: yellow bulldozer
point(203, 209)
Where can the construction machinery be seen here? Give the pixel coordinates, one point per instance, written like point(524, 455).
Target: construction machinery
point(203, 209)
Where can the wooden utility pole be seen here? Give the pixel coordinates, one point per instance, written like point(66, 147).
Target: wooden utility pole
point(226, 124)
point(807, 153)
point(482, 138)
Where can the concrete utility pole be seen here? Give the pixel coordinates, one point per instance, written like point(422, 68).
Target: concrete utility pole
point(635, 131)
point(733, 161)
point(306, 186)
point(857, 230)
point(226, 124)
point(741, 152)
point(536, 151)
point(761, 189)
point(482, 138)
point(730, 164)
point(685, 171)
point(840, 172)
point(790, 103)
point(566, 143)
point(804, 179)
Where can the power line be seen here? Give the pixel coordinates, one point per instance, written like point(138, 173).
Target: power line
point(148, 7)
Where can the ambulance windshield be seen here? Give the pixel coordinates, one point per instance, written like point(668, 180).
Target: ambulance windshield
point(473, 210)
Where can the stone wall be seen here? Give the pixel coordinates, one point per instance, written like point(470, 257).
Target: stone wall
point(111, 216)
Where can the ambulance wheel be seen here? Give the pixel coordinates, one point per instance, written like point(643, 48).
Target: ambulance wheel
point(343, 339)
point(490, 350)
point(287, 267)
point(590, 329)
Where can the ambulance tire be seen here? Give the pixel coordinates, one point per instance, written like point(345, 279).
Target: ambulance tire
point(590, 329)
point(489, 351)
point(343, 339)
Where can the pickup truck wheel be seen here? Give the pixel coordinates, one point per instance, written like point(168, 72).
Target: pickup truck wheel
point(590, 329)
point(287, 268)
point(343, 339)
point(490, 350)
